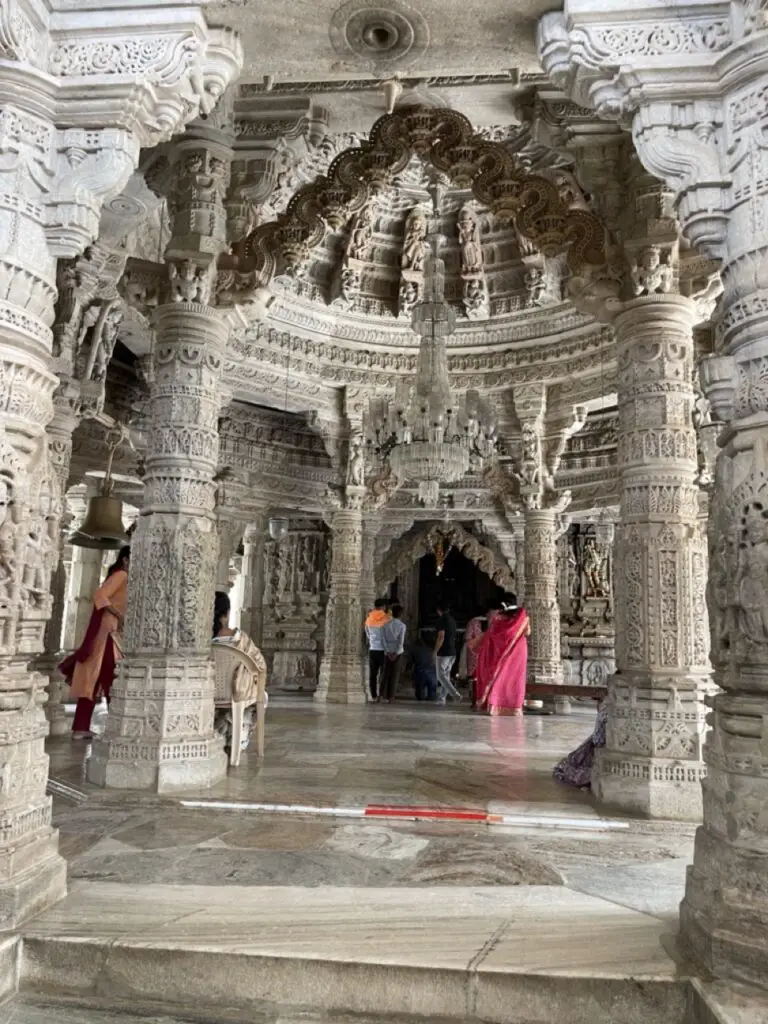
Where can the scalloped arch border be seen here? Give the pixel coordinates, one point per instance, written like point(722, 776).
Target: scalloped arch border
point(446, 140)
point(408, 550)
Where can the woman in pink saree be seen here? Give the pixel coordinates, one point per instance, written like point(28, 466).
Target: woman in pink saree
point(502, 660)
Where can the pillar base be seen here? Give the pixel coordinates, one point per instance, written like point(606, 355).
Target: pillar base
point(58, 693)
point(160, 728)
point(162, 768)
point(34, 891)
point(655, 787)
point(341, 682)
point(723, 916)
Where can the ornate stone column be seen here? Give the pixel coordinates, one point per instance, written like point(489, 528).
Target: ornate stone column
point(542, 445)
point(58, 167)
point(341, 672)
point(160, 728)
point(700, 127)
point(652, 761)
point(252, 614)
point(540, 540)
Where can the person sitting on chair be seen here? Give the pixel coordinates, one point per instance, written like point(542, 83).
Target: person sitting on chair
point(245, 686)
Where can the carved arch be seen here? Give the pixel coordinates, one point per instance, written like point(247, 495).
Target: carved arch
point(446, 140)
point(408, 550)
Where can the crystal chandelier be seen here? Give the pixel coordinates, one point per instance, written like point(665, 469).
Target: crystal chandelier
point(428, 434)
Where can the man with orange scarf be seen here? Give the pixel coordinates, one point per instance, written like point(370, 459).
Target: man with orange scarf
point(374, 624)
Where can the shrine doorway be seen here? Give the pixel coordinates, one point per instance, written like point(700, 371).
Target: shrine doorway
point(460, 583)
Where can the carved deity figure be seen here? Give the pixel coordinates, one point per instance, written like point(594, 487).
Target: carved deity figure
point(535, 286)
point(596, 568)
point(350, 283)
point(103, 342)
point(530, 458)
point(469, 243)
point(361, 234)
point(356, 467)
point(752, 581)
point(189, 283)
point(8, 534)
point(409, 296)
point(475, 297)
point(652, 275)
point(415, 241)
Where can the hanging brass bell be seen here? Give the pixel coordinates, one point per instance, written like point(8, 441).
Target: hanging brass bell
point(102, 529)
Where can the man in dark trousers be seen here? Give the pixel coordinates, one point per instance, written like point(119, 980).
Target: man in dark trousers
point(445, 653)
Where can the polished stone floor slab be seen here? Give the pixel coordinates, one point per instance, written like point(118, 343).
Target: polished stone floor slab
point(399, 755)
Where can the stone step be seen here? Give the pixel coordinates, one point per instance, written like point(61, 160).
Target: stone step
point(39, 1011)
point(512, 955)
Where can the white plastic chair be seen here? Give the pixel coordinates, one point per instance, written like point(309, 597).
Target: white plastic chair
point(226, 660)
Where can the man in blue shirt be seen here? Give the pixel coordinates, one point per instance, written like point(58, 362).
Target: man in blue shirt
point(393, 641)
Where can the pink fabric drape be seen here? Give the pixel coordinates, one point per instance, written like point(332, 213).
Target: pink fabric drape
point(502, 662)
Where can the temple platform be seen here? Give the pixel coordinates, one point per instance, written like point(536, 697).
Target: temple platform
point(229, 914)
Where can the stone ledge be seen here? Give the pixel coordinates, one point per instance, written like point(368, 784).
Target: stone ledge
point(498, 955)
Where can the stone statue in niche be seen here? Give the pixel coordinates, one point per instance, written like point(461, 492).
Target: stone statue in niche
point(653, 274)
point(469, 242)
point(306, 575)
point(530, 457)
point(415, 242)
point(535, 283)
point(103, 340)
point(350, 284)
point(476, 299)
point(409, 296)
point(356, 467)
point(361, 234)
point(596, 568)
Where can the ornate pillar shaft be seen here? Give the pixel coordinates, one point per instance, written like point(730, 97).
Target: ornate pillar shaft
point(540, 558)
point(652, 762)
point(341, 672)
point(724, 915)
point(520, 590)
point(160, 729)
point(252, 614)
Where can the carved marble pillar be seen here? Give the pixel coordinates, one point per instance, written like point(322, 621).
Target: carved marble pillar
point(160, 729)
point(543, 440)
point(698, 122)
point(652, 761)
point(66, 405)
point(252, 614)
point(341, 672)
point(540, 556)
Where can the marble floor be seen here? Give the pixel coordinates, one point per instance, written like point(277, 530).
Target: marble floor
point(342, 757)
point(474, 910)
